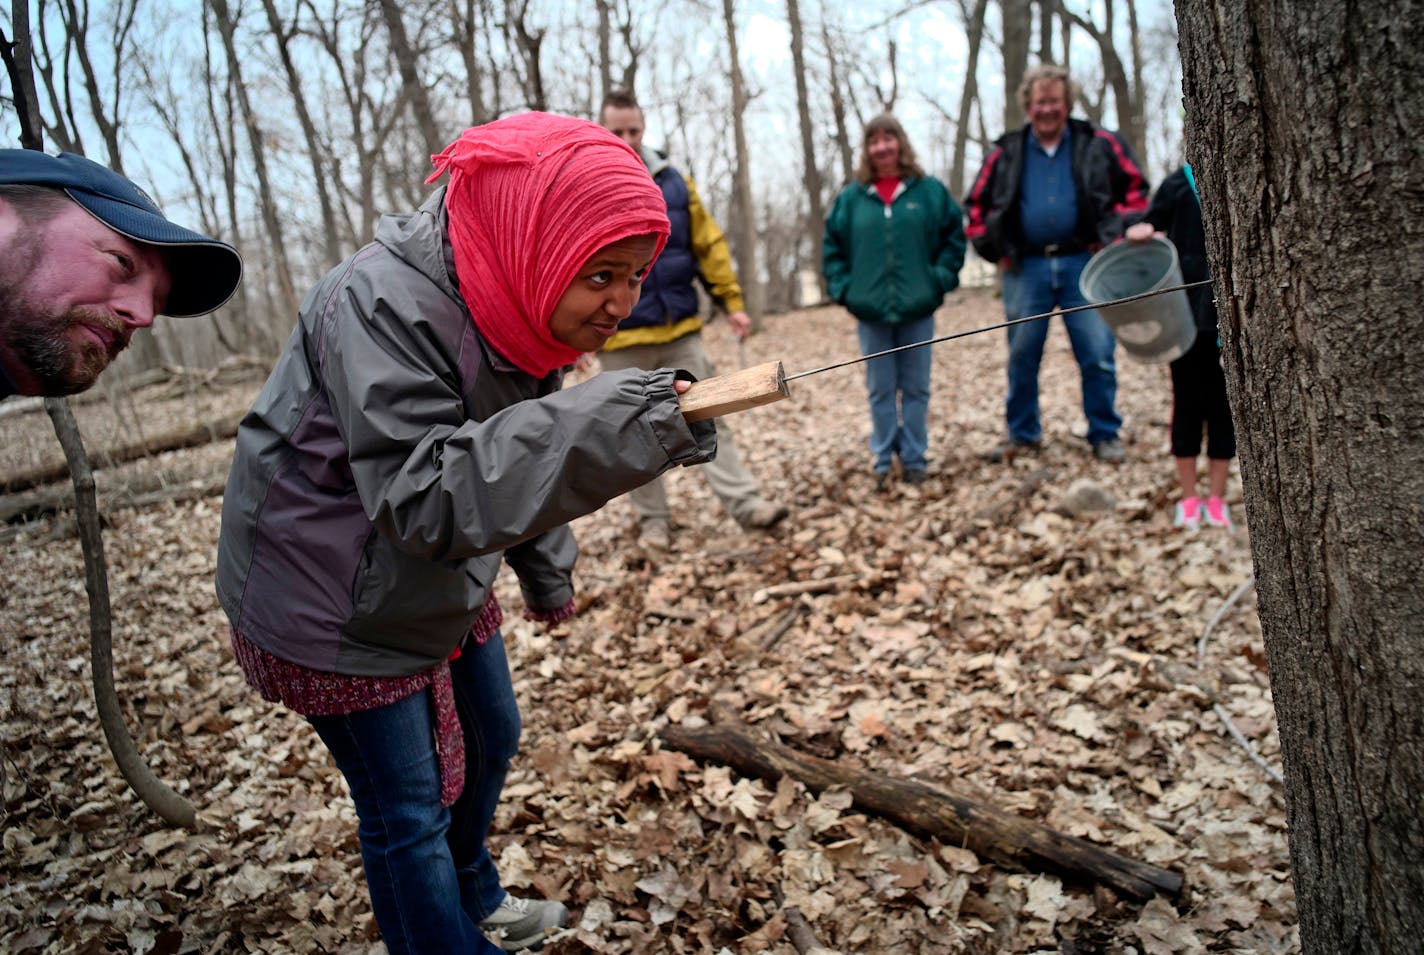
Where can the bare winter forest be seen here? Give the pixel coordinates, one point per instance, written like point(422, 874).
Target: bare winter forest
point(982, 634)
point(288, 127)
point(1033, 643)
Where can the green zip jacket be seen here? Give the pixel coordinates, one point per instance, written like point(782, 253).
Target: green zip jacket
point(893, 264)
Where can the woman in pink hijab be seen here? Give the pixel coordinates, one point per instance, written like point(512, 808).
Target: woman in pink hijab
point(411, 437)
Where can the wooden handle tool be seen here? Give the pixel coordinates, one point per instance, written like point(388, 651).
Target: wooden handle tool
point(724, 394)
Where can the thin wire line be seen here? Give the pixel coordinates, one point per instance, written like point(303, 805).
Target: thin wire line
point(990, 328)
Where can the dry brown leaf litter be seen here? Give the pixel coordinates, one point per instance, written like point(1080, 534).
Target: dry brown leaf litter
point(966, 633)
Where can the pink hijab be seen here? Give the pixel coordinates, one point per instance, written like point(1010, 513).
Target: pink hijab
point(532, 197)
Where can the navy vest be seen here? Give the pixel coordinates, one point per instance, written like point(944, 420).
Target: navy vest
point(668, 295)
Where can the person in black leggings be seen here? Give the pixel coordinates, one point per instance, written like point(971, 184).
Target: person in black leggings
point(1199, 399)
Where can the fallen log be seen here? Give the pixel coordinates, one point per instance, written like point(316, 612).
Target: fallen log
point(218, 429)
point(999, 837)
point(139, 490)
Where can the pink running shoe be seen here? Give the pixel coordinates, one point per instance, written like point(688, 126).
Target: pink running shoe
point(1188, 513)
point(1217, 514)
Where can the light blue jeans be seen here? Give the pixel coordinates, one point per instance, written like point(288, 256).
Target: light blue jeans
point(899, 388)
point(430, 876)
point(1038, 285)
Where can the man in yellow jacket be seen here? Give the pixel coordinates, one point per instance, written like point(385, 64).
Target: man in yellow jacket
point(665, 330)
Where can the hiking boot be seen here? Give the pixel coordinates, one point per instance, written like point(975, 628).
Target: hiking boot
point(1008, 450)
point(1188, 513)
point(764, 515)
point(882, 481)
point(655, 533)
point(1110, 450)
point(916, 476)
point(1217, 514)
point(523, 924)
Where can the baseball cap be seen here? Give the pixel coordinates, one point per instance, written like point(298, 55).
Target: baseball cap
point(205, 271)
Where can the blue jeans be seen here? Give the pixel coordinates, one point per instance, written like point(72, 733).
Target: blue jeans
point(430, 876)
point(1038, 285)
point(899, 387)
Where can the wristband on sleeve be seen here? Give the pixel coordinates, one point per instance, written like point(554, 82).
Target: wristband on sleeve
point(551, 617)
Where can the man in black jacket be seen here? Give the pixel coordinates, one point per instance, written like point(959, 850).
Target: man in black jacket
point(87, 259)
point(1047, 197)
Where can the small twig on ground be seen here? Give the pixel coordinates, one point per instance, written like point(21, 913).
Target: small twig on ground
point(783, 625)
point(1217, 708)
point(798, 587)
point(799, 931)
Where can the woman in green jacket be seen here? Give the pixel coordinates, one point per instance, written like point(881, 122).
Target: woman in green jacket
point(893, 246)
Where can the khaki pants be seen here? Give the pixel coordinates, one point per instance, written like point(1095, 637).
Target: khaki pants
point(730, 481)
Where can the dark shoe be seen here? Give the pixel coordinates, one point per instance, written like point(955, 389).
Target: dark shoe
point(520, 924)
point(882, 481)
point(1110, 450)
point(764, 516)
point(1012, 448)
point(916, 476)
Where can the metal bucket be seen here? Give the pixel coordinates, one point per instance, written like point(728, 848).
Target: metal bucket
point(1153, 330)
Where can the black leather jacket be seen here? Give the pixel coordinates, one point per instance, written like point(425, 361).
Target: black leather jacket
point(1112, 191)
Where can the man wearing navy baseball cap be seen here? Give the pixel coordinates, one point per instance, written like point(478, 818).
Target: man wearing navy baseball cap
point(86, 258)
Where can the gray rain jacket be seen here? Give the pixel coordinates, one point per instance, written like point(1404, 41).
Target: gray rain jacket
point(394, 457)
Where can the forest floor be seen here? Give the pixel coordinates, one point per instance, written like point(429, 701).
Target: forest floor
point(970, 633)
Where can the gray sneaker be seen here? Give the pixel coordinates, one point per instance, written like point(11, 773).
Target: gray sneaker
point(1110, 450)
point(523, 924)
point(655, 533)
point(764, 515)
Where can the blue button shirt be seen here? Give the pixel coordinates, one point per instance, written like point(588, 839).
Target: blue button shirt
point(1048, 200)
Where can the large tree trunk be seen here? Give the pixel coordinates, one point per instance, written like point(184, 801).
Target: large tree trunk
point(1017, 16)
point(835, 76)
point(1127, 95)
point(529, 41)
point(414, 87)
point(316, 154)
point(1046, 11)
point(974, 31)
point(810, 170)
point(466, 17)
point(281, 265)
point(743, 225)
point(1303, 125)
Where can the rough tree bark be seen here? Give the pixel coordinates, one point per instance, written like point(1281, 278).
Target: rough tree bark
point(1303, 123)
